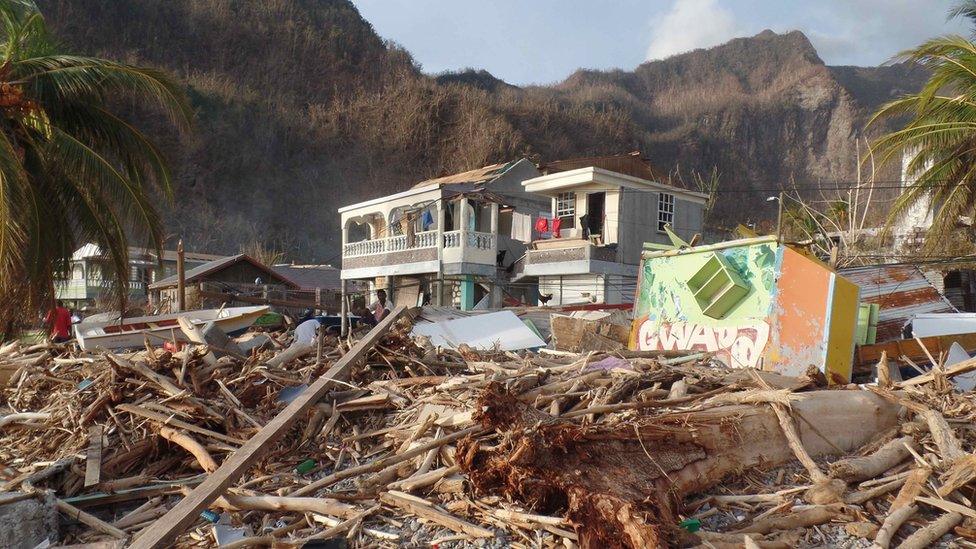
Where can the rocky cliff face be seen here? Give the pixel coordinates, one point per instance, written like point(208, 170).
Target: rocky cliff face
point(302, 108)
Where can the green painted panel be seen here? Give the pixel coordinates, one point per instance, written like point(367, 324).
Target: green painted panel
point(664, 294)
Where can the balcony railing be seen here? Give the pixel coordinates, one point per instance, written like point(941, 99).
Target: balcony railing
point(426, 239)
point(86, 289)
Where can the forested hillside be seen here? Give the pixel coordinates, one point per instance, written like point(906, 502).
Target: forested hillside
point(301, 108)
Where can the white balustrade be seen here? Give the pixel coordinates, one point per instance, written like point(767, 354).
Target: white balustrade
point(426, 239)
point(481, 241)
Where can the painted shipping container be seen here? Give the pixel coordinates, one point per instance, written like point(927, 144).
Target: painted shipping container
point(755, 303)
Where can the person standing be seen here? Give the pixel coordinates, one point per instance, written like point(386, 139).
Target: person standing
point(381, 307)
point(59, 321)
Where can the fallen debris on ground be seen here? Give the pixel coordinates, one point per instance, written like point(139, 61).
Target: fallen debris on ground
point(423, 445)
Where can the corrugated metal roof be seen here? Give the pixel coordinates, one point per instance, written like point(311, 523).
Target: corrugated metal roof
point(193, 274)
point(311, 277)
point(900, 291)
point(478, 175)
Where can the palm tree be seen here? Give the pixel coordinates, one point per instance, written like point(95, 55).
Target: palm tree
point(941, 132)
point(72, 170)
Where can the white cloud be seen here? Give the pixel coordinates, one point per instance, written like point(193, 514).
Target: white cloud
point(691, 24)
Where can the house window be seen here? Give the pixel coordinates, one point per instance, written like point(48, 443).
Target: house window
point(665, 210)
point(566, 209)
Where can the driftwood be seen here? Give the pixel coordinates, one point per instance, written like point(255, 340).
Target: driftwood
point(90, 520)
point(891, 524)
point(160, 533)
point(620, 483)
point(817, 514)
point(325, 506)
point(923, 537)
point(191, 445)
point(865, 467)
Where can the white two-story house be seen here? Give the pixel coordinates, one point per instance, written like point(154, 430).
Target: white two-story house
point(608, 208)
point(471, 239)
point(444, 241)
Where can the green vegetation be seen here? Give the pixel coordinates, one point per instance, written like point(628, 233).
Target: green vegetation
point(941, 130)
point(71, 169)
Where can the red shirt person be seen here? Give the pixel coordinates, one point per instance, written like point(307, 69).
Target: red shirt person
point(59, 319)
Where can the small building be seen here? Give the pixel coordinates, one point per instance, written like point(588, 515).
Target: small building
point(91, 274)
point(608, 208)
point(236, 278)
point(318, 284)
point(755, 303)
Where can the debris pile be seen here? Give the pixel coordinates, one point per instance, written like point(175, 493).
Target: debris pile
point(423, 445)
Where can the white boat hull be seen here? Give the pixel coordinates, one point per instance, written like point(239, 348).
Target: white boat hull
point(132, 332)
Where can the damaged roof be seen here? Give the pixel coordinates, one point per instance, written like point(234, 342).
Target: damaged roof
point(91, 251)
point(200, 271)
point(901, 291)
point(633, 164)
point(479, 175)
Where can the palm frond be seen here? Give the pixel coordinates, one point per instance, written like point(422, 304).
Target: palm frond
point(72, 171)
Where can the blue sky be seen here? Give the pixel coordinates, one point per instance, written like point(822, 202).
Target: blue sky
point(543, 41)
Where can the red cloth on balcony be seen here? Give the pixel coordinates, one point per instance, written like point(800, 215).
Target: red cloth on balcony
point(542, 225)
point(556, 225)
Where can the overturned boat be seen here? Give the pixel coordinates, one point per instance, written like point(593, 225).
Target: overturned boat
point(132, 332)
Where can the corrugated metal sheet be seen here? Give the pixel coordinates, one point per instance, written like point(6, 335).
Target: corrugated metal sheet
point(479, 175)
point(900, 291)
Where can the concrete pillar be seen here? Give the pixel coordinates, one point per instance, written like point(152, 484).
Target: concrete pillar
point(343, 308)
point(467, 292)
point(464, 218)
point(180, 280)
point(494, 218)
point(439, 297)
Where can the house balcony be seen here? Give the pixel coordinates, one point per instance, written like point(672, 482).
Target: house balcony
point(78, 289)
point(572, 256)
point(458, 252)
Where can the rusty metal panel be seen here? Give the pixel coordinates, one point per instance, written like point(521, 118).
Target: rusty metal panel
point(900, 291)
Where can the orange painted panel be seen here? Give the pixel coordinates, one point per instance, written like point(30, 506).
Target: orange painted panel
point(799, 315)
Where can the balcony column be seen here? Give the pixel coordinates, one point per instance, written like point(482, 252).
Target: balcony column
point(439, 297)
point(464, 227)
point(494, 226)
point(467, 292)
point(345, 233)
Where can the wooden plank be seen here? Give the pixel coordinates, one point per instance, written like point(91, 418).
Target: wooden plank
point(422, 508)
point(950, 506)
point(90, 520)
point(868, 355)
point(170, 420)
point(93, 458)
point(160, 533)
point(954, 370)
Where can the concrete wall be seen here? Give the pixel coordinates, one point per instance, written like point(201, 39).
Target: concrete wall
point(573, 289)
point(509, 186)
point(638, 222)
point(26, 523)
point(588, 288)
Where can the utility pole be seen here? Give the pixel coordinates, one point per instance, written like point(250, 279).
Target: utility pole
point(779, 219)
point(343, 310)
point(180, 278)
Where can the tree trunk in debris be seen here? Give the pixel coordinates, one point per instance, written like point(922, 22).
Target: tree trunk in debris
point(619, 484)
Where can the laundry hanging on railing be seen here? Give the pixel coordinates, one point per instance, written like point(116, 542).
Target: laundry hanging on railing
point(521, 227)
